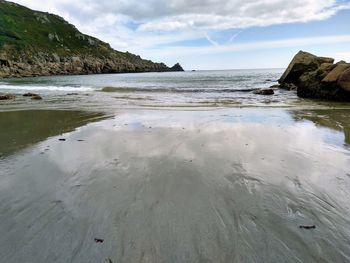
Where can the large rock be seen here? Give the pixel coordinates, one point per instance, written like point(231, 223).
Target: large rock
point(317, 77)
point(301, 63)
point(176, 67)
point(344, 80)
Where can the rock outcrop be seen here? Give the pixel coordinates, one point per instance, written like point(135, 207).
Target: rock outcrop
point(176, 67)
point(44, 65)
point(317, 77)
point(34, 43)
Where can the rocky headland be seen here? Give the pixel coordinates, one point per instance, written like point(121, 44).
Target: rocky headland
point(34, 43)
point(317, 77)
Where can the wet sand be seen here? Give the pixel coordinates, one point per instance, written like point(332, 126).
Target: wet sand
point(182, 186)
point(19, 129)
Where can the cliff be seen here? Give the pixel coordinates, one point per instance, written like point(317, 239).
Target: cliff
point(34, 43)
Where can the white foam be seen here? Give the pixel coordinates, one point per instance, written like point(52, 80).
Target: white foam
point(44, 88)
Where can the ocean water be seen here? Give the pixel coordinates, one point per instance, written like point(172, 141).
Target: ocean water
point(230, 88)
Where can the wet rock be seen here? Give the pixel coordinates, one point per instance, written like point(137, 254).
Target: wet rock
point(37, 97)
point(277, 86)
point(29, 94)
point(264, 92)
point(7, 97)
point(288, 86)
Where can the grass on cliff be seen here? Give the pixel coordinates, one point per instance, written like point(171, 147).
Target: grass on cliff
point(26, 31)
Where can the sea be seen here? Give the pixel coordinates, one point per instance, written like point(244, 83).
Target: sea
point(191, 89)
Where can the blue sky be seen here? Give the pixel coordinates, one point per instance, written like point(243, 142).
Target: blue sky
point(213, 34)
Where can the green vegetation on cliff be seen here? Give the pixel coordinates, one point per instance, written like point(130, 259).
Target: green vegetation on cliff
point(30, 37)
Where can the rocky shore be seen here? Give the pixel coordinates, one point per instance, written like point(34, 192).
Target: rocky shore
point(44, 64)
point(317, 77)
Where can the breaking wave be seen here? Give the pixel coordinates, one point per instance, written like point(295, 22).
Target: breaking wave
point(44, 88)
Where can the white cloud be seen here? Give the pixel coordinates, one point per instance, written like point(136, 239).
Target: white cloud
point(244, 14)
point(256, 45)
point(141, 26)
point(172, 15)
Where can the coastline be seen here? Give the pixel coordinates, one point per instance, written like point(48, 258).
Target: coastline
point(100, 164)
point(76, 66)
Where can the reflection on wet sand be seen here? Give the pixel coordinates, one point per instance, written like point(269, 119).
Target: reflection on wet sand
point(20, 129)
point(336, 119)
point(219, 186)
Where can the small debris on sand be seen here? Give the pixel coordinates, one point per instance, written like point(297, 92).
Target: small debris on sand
point(307, 227)
point(98, 240)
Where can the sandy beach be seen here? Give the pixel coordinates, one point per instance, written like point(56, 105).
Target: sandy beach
point(174, 131)
point(225, 185)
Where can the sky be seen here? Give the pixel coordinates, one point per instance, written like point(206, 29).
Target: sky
point(212, 34)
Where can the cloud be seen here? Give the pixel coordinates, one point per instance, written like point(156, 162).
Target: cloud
point(140, 26)
point(255, 45)
point(211, 41)
point(172, 15)
point(245, 14)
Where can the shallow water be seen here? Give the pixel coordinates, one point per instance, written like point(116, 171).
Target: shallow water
point(110, 92)
point(20, 129)
point(220, 185)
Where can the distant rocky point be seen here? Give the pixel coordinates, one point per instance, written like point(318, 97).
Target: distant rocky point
point(34, 43)
point(317, 77)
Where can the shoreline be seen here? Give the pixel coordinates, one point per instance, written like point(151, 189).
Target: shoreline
point(87, 74)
